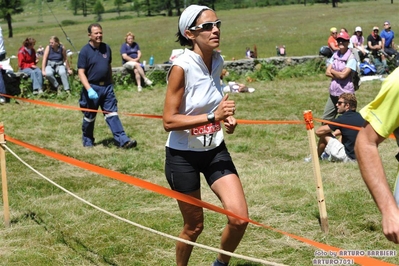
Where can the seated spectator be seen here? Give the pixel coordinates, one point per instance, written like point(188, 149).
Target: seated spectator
point(27, 61)
point(55, 61)
point(332, 40)
point(387, 36)
point(374, 45)
point(232, 86)
point(131, 55)
point(357, 41)
point(329, 147)
point(250, 54)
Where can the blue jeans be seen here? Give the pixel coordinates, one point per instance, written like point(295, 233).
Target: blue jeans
point(36, 77)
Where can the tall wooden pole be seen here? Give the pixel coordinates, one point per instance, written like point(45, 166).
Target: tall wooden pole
point(4, 177)
point(307, 115)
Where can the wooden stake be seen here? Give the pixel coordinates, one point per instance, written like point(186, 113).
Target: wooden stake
point(4, 177)
point(307, 115)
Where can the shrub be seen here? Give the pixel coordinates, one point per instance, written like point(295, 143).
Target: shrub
point(68, 22)
point(157, 76)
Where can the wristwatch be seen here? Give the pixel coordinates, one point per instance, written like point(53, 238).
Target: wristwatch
point(211, 117)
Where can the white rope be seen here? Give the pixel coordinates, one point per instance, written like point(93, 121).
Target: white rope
point(141, 226)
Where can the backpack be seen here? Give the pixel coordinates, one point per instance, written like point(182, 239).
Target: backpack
point(355, 74)
point(367, 69)
point(325, 51)
point(12, 83)
point(356, 78)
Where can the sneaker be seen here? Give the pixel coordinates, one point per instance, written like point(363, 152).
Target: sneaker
point(40, 91)
point(148, 82)
point(35, 92)
point(2, 100)
point(130, 144)
point(324, 156)
point(139, 88)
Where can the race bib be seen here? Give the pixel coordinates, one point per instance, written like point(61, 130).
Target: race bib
point(205, 137)
point(206, 129)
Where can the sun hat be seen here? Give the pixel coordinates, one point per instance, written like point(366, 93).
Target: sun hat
point(188, 16)
point(358, 28)
point(343, 35)
point(375, 28)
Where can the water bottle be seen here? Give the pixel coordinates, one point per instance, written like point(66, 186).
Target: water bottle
point(151, 60)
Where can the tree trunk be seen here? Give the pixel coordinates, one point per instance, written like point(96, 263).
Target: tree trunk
point(8, 18)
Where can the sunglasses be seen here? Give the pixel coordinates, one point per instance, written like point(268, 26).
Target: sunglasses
point(207, 26)
point(342, 40)
point(375, 30)
point(339, 103)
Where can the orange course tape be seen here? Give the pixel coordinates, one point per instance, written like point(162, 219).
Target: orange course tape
point(362, 260)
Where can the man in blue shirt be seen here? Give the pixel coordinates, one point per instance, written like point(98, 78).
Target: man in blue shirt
point(95, 73)
point(387, 36)
point(329, 147)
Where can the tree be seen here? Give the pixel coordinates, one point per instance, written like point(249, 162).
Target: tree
point(118, 4)
point(136, 6)
point(75, 4)
point(98, 9)
point(8, 8)
point(177, 6)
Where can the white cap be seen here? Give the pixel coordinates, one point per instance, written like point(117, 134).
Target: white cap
point(358, 28)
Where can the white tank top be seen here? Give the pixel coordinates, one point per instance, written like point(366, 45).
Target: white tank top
point(202, 95)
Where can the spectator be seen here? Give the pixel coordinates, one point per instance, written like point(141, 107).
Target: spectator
point(194, 103)
point(54, 61)
point(374, 45)
point(357, 41)
point(387, 36)
point(2, 47)
point(332, 40)
point(340, 69)
point(27, 61)
point(382, 119)
point(131, 55)
point(232, 86)
point(2, 57)
point(329, 147)
point(95, 73)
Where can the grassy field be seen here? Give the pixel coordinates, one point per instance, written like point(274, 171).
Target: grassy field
point(50, 227)
point(303, 29)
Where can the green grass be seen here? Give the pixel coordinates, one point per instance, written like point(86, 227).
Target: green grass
point(50, 227)
point(303, 29)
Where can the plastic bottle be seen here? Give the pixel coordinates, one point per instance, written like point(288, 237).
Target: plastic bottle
point(151, 60)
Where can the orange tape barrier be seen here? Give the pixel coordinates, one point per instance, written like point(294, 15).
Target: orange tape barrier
point(362, 260)
point(61, 106)
point(240, 121)
point(265, 122)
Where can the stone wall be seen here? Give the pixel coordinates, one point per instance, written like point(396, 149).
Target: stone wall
point(239, 66)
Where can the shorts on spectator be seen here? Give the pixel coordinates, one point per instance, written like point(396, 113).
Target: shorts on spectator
point(337, 153)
